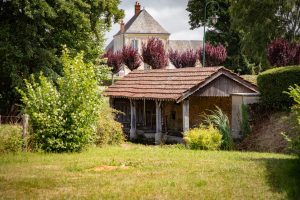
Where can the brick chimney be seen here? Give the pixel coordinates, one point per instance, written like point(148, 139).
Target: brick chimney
point(122, 27)
point(137, 8)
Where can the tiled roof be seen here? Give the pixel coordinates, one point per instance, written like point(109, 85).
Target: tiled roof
point(143, 23)
point(165, 84)
point(183, 45)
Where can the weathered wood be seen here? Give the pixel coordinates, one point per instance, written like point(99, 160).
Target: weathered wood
point(186, 115)
point(133, 120)
point(158, 134)
point(25, 119)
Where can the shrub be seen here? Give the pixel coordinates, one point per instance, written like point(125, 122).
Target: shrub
point(184, 59)
point(114, 60)
point(10, 138)
point(205, 138)
point(214, 55)
point(294, 92)
point(154, 54)
point(109, 131)
point(272, 84)
point(131, 57)
point(280, 52)
point(63, 116)
point(221, 122)
point(245, 125)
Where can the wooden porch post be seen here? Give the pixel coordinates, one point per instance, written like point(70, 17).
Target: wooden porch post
point(133, 119)
point(158, 134)
point(186, 115)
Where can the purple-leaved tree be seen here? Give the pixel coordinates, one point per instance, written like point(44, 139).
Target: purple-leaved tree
point(214, 55)
point(154, 54)
point(183, 59)
point(131, 57)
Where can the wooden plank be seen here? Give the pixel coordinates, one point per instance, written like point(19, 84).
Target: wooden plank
point(158, 134)
point(186, 115)
point(133, 119)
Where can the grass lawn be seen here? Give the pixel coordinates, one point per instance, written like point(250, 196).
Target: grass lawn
point(149, 172)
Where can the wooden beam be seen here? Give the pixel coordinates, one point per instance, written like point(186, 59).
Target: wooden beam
point(186, 115)
point(133, 120)
point(158, 134)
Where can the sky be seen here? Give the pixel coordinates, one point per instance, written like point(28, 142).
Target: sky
point(171, 14)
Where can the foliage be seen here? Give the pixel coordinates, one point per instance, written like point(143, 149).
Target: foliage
point(272, 84)
point(109, 131)
point(220, 120)
point(63, 117)
point(294, 93)
point(202, 137)
point(260, 22)
point(10, 138)
point(131, 57)
point(214, 55)
point(219, 33)
point(282, 53)
point(184, 59)
point(244, 124)
point(114, 60)
point(32, 34)
point(153, 53)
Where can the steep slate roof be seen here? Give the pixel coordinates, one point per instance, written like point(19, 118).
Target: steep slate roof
point(169, 84)
point(143, 23)
point(183, 45)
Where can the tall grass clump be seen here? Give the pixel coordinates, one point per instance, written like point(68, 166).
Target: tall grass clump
point(220, 120)
point(10, 138)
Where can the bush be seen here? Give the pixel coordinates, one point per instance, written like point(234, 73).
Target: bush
point(10, 138)
point(64, 115)
point(221, 122)
point(214, 55)
point(109, 131)
point(184, 59)
point(294, 92)
point(272, 84)
point(205, 138)
point(245, 125)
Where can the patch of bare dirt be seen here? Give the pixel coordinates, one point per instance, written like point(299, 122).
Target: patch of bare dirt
point(267, 133)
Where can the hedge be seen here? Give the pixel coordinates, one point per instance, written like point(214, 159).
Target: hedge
point(273, 83)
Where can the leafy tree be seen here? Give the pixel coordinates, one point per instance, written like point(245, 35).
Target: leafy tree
point(114, 61)
point(64, 117)
point(32, 34)
point(219, 33)
point(260, 22)
point(153, 53)
point(131, 57)
point(280, 52)
point(184, 59)
point(214, 55)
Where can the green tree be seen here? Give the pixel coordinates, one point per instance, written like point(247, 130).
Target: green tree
point(64, 114)
point(32, 33)
point(221, 32)
point(260, 22)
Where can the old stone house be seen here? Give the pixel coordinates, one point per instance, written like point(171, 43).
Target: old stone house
point(139, 29)
point(164, 103)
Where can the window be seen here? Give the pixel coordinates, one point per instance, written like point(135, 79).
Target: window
point(135, 44)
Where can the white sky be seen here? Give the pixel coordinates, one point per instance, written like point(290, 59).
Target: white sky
point(171, 14)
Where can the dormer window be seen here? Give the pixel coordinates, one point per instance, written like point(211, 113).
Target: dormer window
point(135, 44)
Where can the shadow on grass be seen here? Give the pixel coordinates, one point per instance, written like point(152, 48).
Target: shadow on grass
point(283, 176)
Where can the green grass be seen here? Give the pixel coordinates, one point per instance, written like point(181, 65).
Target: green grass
point(149, 172)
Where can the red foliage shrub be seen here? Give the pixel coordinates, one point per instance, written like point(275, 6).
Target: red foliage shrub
point(131, 57)
point(184, 59)
point(154, 54)
point(280, 52)
point(214, 55)
point(114, 60)
point(296, 59)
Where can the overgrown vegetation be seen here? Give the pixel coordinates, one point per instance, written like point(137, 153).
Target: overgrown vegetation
point(10, 138)
point(245, 124)
point(203, 137)
point(272, 84)
point(220, 120)
point(294, 92)
point(64, 114)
